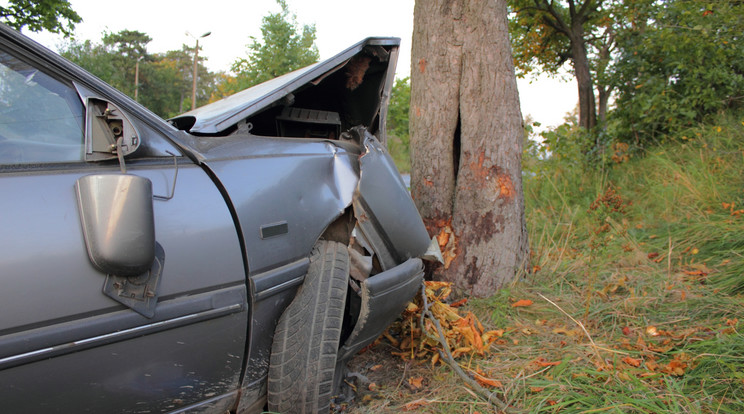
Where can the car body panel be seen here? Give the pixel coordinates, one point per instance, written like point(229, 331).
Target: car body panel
point(237, 208)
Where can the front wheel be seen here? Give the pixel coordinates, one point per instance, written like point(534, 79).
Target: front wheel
point(306, 341)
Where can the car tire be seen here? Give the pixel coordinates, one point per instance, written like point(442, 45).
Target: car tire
point(306, 340)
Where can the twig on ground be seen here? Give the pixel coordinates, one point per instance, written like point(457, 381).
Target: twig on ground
point(446, 355)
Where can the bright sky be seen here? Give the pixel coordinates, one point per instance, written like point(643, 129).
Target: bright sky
point(339, 24)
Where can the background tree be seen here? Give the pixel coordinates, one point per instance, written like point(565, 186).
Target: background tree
point(125, 48)
point(284, 47)
point(165, 79)
point(685, 64)
point(56, 16)
point(547, 33)
point(397, 124)
point(466, 141)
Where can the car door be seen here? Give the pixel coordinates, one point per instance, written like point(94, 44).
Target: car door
point(70, 339)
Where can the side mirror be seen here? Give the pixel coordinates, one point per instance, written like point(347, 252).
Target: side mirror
point(105, 127)
point(116, 212)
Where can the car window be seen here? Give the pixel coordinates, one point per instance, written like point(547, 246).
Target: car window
point(41, 118)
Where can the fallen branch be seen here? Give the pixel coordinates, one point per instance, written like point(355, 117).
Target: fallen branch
point(446, 355)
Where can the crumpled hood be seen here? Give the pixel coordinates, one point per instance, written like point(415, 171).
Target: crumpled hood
point(308, 84)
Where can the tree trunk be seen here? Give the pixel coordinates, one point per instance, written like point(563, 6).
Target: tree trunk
point(587, 104)
point(466, 141)
point(604, 98)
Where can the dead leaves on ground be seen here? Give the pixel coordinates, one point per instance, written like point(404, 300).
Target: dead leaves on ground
point(464, 333)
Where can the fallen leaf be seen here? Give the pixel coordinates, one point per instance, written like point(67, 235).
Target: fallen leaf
point(434, 360)
point(414, 405)
point(372, 386)
point(482, 380)
point(652, 255)
point(412, 307)
point(416, 382)
point(375, 367)
point(461, 351)
point(459, 303)
point(521, 303)
point(542, 362)
point(536, 389)
point(390, 338)
point(651, 330)
point(490, 336)
point(632, 361)
point(626, 331)
point(561, 331)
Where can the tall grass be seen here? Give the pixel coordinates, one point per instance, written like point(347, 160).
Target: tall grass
point(658, 281)
point(637, 290)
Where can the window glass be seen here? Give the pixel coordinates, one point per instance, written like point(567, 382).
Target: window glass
point(41, 118)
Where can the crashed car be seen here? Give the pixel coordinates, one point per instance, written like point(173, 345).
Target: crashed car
point(231, 259)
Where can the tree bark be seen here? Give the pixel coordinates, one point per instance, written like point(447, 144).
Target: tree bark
point(587, 103)
point(466, 141)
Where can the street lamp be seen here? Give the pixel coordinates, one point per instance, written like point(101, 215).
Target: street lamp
point(196, 59)
point(136, 78)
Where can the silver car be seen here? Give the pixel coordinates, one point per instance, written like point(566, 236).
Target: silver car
point(233, 258)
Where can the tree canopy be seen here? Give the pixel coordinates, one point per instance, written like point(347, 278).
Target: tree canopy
point(546, 33)
point(284, 47)
point(165, 79)
point(684, 63)
point(56, 16)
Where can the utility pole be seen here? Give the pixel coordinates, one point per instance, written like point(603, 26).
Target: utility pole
point(136, 79)
point(196, 59)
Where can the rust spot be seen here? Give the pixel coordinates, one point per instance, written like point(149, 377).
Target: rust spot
point(506, 187)
point(482, 175)
point(479, 172)
point(422, 65)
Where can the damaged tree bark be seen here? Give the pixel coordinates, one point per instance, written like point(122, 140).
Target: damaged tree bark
point(466, 141)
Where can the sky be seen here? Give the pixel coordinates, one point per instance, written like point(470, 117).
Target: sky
point(338, 23)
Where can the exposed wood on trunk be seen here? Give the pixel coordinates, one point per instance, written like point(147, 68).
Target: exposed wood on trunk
point(466, 141)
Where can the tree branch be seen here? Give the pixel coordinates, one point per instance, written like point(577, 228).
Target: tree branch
point(446, 355)
point(564, 28)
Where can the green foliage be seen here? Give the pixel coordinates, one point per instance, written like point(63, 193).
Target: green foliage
point(165, 79)
point(56, 16)
point(397, 124)
point(283, 48)
point(537, 45)
point(684, 65)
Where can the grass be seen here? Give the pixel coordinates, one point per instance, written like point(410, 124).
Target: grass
point(648, 257)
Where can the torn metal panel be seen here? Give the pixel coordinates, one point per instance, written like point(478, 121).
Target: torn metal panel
point(385, 211)
point(395, 286)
